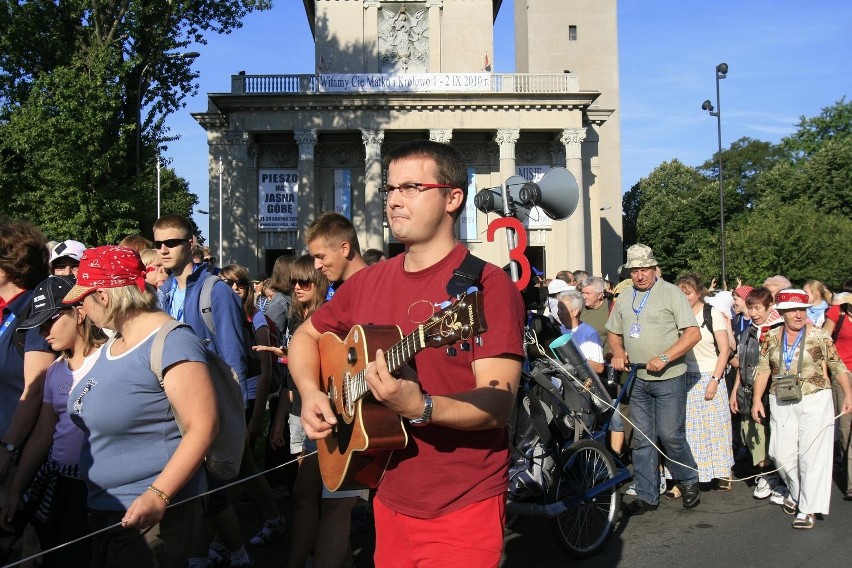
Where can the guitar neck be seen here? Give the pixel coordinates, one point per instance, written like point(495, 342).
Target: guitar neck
point(395, 357)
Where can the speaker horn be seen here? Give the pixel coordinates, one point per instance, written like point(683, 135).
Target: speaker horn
point(490, 200)
point(557, 194)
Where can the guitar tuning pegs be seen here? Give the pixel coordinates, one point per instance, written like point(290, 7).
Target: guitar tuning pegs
point(465, 346)
point(478, 340)
point(451, 351)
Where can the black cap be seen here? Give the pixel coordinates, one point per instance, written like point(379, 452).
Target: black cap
point(47, 300)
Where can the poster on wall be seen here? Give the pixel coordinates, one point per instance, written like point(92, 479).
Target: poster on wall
point(537, 218)
point(343, 192)
point(278, 199)
point(467, 219)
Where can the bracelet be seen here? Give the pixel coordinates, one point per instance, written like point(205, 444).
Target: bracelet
point(161, 494)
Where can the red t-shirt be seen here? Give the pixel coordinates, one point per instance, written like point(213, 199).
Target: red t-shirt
point(442, 469)
point(844, 338)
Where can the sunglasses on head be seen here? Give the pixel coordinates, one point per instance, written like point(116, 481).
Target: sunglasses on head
point(170, 243)
point(302, 283)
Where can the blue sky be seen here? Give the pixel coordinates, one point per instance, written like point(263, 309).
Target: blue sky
point(786, 59)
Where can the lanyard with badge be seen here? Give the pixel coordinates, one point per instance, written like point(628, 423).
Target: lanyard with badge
point(177, 314)
point(7, 323)
point(635, 328)
point(789, 352)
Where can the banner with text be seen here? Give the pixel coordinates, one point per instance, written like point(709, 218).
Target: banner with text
point(408, 82)
point(343, 192)
point(537, 218)
point(278, 199)
point(467, 219)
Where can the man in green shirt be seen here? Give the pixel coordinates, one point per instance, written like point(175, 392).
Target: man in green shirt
point(652, 324)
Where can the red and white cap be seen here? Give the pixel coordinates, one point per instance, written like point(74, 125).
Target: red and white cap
point(791, 298)
point(107, 267)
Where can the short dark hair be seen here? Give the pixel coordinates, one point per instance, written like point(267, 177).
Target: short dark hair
point(372, 256)
point(335, 229)
point(23, 254)
point(760, 296)
point(450, 168)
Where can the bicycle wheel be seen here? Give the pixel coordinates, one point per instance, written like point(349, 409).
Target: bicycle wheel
point(582, 530)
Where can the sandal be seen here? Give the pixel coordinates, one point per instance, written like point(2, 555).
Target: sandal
point(673, 493)
point(724, 483)
point(789, 506)
point(806, 522)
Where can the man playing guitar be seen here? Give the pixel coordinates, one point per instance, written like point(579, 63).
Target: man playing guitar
point(442, 499)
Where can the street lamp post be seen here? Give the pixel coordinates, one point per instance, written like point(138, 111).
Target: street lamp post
point(721, 73)
point(187, 55)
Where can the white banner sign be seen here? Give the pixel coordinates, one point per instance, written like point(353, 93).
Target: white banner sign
point(537, 218)
point(408, 82)
point(278, 199)
point(467, 219)
point(343, 192)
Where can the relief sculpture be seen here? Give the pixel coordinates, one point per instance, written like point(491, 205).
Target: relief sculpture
point(403, 41)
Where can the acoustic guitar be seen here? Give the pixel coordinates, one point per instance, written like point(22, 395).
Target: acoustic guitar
point(359, 448)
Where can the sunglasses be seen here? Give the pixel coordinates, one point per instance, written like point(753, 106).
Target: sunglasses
point(304, 284)
point(170, 243)
point(240, 283)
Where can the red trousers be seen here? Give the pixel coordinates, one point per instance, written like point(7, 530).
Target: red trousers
point(471, 537)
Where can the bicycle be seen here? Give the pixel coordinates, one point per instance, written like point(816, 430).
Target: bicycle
point(562, 468)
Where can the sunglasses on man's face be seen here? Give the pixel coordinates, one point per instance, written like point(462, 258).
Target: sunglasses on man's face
point(170, 243)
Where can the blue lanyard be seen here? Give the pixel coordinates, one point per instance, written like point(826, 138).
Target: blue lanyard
point(791, 352)
point(7, 323)
point(642, 303)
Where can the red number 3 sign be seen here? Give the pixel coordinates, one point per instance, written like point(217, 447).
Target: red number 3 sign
point(517, 253)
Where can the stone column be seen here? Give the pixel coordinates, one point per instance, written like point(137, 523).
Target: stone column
point(371, 35)
point(442, 135)
point(578, 255)
point(434, 7)
point(506, 139)
point(306, 139)
point(372, 233)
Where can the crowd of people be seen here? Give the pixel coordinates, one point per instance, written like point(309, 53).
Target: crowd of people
point(772, 360)
point(100, 435)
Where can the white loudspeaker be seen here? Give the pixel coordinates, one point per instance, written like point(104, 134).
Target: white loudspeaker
point(556, 193)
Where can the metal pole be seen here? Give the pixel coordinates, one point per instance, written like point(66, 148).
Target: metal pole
point(158, 187)
point(721, 185)
point(511, 237)
point(221, 169)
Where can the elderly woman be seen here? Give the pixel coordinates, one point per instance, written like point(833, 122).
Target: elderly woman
point(795, 356)
point(753, 434)
point(582, 334)
point(708, 419)
point(134, 459)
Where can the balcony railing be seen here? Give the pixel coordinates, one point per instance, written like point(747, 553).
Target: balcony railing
point(522, 83)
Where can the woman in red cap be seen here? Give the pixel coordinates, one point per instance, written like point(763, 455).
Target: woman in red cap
point(795, 356)
point(135, 460)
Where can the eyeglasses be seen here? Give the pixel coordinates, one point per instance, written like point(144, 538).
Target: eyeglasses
point(304, 284)
point(170, 243)
point(413, 188)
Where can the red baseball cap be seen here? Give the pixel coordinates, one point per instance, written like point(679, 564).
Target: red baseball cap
point(107, 267)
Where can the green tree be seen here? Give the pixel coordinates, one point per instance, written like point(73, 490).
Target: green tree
point(73, 76)
point(833, 123)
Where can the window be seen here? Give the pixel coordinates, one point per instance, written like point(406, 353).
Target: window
point(572, 33)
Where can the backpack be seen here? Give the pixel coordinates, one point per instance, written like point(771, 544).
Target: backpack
point(205, 305)
point(708, 323)
point(226, 452)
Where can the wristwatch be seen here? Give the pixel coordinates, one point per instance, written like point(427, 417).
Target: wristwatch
point(663, 357)
point(11, 448)
point(717, 379)
point(426, 417)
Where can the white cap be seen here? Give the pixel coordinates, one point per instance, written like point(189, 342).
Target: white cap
point(556, 285)
point(71, 249)
point(722, 301)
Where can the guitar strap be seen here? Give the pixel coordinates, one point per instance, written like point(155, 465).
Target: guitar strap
point(468, 274)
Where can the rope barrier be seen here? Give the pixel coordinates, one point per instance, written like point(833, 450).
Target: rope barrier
point(120, 524)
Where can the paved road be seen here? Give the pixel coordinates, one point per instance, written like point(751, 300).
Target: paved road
point(728, 529)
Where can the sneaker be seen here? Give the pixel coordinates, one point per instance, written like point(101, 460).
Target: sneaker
point(631, 490)
point(663, 487)
point(218, 555)
point(765, 485)
point(778, 495)
point(270, 532)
